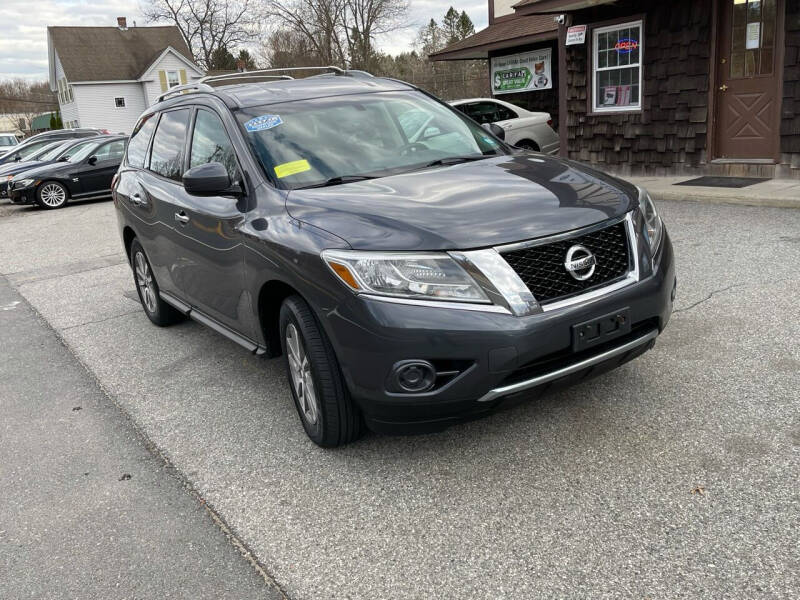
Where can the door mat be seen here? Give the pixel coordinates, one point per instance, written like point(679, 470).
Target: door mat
point(723, 182)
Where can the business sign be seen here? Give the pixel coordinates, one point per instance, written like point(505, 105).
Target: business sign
point(576, 35)
point(626, 46)
point(524, 72)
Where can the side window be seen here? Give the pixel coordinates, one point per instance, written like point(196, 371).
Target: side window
point(489, 112)
point(137, 148)
point(210, 143)
point(111, 151)
point(502, 113)
point(167, 155)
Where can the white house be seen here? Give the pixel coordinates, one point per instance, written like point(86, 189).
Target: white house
point(106, 76)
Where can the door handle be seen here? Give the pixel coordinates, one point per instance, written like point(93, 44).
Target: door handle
point(182, 217)
point(723, 87)
point(138, 200)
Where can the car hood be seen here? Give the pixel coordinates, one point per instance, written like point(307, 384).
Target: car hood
point(489, 202)
point(46, 170)
point(19, 167)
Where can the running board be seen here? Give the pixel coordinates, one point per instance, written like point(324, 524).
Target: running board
point(198, 316)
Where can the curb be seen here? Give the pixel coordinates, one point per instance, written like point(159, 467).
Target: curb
point(701, 198)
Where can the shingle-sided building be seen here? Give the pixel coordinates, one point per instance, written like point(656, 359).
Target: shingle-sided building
point(106, 76)
point(654, 87)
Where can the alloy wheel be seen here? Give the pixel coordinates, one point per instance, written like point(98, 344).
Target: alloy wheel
point(144, 279)
point(53, 195)
point(302, 380)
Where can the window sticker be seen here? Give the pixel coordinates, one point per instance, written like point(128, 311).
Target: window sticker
point(292, 168)
point(263, 123)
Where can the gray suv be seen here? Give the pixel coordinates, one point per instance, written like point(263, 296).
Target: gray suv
point(412, 269)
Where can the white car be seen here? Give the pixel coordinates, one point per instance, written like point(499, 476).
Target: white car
point(524, 129)
point(7, 142)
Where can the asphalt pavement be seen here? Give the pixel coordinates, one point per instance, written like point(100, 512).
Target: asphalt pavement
point(674, 476)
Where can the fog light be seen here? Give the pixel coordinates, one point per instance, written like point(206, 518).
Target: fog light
point(412, 376)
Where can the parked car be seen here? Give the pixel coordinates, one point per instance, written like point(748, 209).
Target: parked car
point(411, 280)
point(524, 129)
point(38, 141)
point(87, 173)
point(49, 153)
point(7, 143)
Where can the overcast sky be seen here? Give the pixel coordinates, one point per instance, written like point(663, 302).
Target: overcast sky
point(23, 43)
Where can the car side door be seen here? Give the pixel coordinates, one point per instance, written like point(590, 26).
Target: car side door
point(98, 170)
point(212, 246)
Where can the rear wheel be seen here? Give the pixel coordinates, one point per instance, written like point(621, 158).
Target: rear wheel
point(158, 311)
point(51, 194)
point(328, 413)
point(528, 145)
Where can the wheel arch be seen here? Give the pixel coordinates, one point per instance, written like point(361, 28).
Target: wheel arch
point(128, 235)
point(526, 140)
point(270, 298)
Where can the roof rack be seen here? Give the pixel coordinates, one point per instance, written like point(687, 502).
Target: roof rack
point(202, 85)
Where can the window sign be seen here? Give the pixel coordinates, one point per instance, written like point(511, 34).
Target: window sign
point(617, 67)
point(753, 36)
point(525, 72)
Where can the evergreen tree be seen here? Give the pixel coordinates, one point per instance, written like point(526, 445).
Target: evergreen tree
point(245, 61)
point(222, 60)
point(450, 26)
point(465, 26)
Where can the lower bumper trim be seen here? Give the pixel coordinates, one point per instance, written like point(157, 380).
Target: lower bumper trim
point(568, 370)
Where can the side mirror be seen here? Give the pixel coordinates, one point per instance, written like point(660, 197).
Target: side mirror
point(210, 179)
point(496, 130)
point(92, 160)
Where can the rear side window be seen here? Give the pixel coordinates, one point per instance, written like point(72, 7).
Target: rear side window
point(166, 157)
point(488, 112)
point(210, 143)
point(111, 151)
point(137, 148)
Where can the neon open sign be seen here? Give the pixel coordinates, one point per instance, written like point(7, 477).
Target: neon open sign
point(626, 46)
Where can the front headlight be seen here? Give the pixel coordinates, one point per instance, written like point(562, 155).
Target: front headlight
point(653, 227)
point(433, 276)
point(22, 183)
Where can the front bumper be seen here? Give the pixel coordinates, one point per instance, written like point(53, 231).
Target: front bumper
point(503, 359)
point(22, 196)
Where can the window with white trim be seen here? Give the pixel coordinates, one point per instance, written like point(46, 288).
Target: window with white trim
point(119, 102)
point(173, 79)
point(617, 53)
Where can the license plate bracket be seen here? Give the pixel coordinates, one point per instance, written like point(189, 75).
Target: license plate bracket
point(601, 329)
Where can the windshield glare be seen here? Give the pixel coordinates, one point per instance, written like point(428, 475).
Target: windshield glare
point(52, 151)
point(305, 143)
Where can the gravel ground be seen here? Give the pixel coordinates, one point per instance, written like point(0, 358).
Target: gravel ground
point(674, 476)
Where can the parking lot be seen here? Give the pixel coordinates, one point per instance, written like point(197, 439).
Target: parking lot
point(674, 476)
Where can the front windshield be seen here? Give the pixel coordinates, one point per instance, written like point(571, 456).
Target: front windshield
point(83, 152)
point(307, 143)
point(74, 149)
point(51, 151)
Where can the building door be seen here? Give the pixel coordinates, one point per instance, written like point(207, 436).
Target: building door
point(748, 99)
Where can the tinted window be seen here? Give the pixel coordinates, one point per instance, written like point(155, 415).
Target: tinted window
point(76, 149)
point(210, 143)
point(111, 151)
point(166, 157)
point(137, 148)
point(488, 112)
point(32, 149)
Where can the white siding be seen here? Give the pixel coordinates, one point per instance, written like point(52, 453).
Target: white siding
point(97, 109)
point(503, 7)
point(69, 111)
point(169, 62)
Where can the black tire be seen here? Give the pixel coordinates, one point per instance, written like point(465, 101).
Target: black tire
point(158, 311)
point(51, 195)
point(528, 145)
point(338, 419)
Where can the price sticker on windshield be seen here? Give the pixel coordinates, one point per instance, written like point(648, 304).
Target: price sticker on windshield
point(292, 168)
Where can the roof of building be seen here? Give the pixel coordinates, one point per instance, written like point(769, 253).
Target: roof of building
point(501, 34)
point(111, 53)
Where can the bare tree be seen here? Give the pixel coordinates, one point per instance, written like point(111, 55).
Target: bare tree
point(207, 24)
point(339, 31)
point(25, 100)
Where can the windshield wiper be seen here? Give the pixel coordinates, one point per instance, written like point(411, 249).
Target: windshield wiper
point(454, 160)
point(338, 180)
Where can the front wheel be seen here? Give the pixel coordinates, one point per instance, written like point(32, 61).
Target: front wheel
point(328, 413)
point(51, 194)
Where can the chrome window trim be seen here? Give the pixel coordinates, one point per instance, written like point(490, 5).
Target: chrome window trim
point(631, 278)
point(489, 308)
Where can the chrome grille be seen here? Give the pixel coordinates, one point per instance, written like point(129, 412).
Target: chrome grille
point(541, 267)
